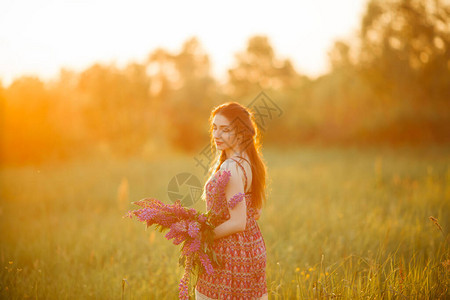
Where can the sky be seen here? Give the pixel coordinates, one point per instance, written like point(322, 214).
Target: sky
point(41, 37)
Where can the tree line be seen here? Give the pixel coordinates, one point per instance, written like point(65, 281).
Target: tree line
point(387, 84)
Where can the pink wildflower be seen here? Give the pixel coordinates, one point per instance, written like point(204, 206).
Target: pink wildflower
point(191, 246)
point(206, 263)
point(236, 199)
point(194, 229)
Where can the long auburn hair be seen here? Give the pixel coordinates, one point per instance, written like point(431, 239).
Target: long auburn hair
point(243, 123)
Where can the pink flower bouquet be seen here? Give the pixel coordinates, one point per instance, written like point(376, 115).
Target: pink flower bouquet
point(186, 226)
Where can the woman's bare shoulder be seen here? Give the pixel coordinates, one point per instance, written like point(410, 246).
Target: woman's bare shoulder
point(236, 171)
point(229, 164)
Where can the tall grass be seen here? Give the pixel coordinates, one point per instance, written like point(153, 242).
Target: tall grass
point(339, 223)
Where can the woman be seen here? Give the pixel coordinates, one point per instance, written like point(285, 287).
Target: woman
point(238, 242)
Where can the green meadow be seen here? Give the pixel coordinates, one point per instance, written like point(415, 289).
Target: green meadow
point(339, 223)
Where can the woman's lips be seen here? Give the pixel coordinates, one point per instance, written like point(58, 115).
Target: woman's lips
point(219, 143)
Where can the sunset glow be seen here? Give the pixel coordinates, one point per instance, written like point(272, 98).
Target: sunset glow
point(40, 37)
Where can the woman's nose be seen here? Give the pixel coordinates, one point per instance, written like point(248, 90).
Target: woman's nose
point(216, 134)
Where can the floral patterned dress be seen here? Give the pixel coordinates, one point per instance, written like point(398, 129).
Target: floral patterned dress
point(242, 274)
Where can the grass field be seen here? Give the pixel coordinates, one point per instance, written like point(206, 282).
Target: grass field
point(339, 223)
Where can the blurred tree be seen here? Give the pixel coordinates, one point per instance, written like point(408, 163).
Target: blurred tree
point(29, 131)
point(339, 55)
point(67, 106)
point(161, 71)
point(339, 103)
point(405, 58)
point(186, 93)
point(117, 106)
point(258, 69)
point(405, 47)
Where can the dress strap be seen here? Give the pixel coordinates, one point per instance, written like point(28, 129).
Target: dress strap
point(243, 169)
point(244, 159)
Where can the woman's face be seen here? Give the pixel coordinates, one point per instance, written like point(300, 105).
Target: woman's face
point(224, 135)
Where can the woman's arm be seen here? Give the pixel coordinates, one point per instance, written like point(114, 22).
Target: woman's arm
point(238, 214)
